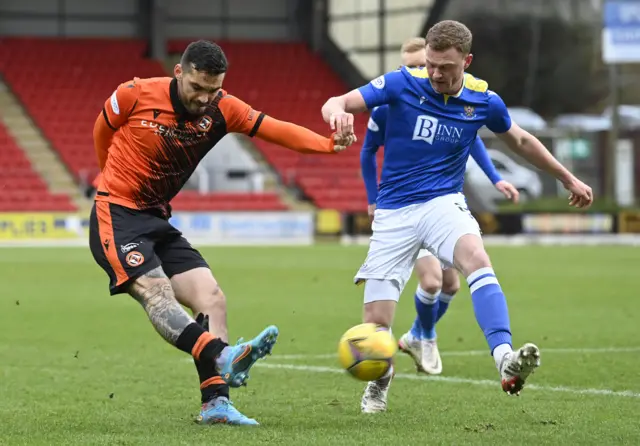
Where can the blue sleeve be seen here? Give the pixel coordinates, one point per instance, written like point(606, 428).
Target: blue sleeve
point(480, 155)
point(498, 119)
point(373, 139)
point(382, 90)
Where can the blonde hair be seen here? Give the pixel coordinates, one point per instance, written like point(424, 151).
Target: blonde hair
point(449, 34)
point(412, 45)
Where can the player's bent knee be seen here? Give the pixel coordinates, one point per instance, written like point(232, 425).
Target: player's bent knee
point(199, 290)
point(470, 255)
point(430, 284)
point(429, 274)
point(450, 282)
point(451, 289)
point(210, 300)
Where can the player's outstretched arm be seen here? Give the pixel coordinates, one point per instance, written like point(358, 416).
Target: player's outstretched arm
point(530, 148)
point(338, 111)
point(300, 139)
point(242, 118)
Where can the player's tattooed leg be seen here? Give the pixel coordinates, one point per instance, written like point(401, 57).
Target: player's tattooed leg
point(154, 292)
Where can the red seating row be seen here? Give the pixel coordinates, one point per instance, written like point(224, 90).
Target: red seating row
point(65, 99)
point(21, 188)
point(292, 85)
point(224, 201)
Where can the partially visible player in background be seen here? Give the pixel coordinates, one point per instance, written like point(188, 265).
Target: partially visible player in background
point(149, 139)
point(437, 284)
point(437, 111)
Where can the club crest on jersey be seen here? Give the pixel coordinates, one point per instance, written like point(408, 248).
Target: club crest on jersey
point(205, 123)
point(469, 112)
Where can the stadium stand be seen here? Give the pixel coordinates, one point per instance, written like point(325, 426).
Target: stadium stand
point(22, 188)
point(81, 73)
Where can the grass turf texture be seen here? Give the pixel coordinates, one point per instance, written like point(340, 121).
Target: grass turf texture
point(78, 367)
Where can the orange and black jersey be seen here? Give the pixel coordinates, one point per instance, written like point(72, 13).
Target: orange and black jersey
point(148, 145)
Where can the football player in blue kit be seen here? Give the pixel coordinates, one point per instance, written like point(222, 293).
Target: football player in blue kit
point(437, 111)
point(436, 285)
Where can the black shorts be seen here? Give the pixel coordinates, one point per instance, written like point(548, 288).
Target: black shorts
point(128, 243)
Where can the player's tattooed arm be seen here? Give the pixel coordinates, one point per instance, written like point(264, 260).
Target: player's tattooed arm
point(154, 292)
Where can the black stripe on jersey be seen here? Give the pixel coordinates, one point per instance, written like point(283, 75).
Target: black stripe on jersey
point(106, 118)
point(133, 108)
point(256, 126)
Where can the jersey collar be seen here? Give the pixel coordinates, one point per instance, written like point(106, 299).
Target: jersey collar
point(464, 81)
point(178, 106)
point(457, 95)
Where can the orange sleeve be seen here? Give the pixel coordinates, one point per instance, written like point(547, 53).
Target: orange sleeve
point(114, 114)
point(102, 136)
point(241, 118)
point(120, 104)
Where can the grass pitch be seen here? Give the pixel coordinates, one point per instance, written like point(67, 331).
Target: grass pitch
point(78, 367)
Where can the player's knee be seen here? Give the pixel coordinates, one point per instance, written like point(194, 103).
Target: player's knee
point(451, 283)
point(470, 255)
point(209, 299)
point(429, 275)
point(431, 284)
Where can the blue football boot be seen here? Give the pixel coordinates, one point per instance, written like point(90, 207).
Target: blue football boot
point(222, 411)
point(243, 355)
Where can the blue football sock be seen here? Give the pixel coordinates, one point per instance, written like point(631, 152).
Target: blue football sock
point(443, 304)
point(427, 309)
point(416, 329)
point(490, 307)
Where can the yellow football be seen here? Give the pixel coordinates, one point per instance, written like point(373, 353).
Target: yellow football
point(366, 351)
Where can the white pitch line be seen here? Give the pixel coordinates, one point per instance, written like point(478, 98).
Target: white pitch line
point(456, 380)
point(603, 350)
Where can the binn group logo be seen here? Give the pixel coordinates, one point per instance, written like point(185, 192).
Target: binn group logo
point(428, 129)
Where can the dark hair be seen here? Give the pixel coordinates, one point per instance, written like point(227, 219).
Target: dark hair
point(204, 56)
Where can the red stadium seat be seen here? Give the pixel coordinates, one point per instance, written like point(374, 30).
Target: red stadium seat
point(225, 201)
point(65, 99)
point(21, 188)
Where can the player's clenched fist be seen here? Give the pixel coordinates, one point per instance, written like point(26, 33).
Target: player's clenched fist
point(342, 123)
point(341, 142)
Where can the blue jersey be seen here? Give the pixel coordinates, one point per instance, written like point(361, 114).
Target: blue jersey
point(428, 135)
point(375, 137)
